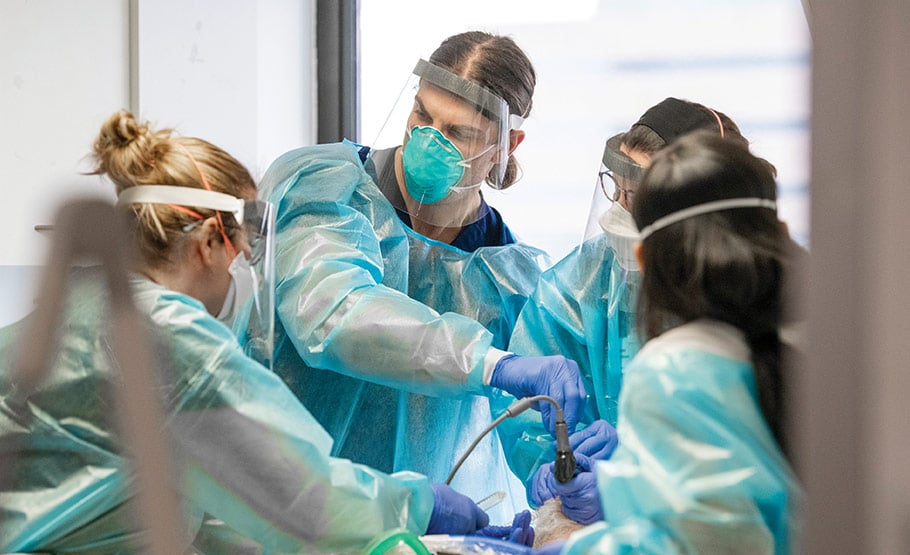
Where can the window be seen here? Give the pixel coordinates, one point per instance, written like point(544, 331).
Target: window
point(600, 64)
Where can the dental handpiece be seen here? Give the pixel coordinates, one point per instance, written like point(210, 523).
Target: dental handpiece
point(564, 465)
point(565, 459)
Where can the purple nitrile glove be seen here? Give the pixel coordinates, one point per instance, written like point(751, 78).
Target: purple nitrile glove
point(555, 376)
point(519, 532)
point(597, 441)
point(580, 496)
point(454, 513)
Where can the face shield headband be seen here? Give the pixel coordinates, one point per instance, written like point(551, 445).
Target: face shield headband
point(489, 104)
point(699, 209)
point(615, 160)
point(251, 214)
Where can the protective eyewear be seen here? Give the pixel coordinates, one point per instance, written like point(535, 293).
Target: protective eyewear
point(257, 221)
point(612, 189)
point(618, 168)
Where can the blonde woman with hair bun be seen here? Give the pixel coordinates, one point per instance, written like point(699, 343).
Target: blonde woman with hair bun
point(250, 455)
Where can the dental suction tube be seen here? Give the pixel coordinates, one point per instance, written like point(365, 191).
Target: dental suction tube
point(565, 459)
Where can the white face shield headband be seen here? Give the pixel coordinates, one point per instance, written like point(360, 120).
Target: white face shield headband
point(253, 215)
point(184, 196)
point(248, 214)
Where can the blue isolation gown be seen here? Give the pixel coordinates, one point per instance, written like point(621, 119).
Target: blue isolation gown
point(250, 454)
point(697, 469)
point(388, 337)
point(584, 309)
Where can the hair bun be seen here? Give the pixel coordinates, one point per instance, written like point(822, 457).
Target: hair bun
point(119, 131)
point(126, 149)
point(125, 129)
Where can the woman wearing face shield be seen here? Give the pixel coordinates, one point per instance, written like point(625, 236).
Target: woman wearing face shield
point(398, 286)
point(249, 454)
point(584, 307)
point(701, 467)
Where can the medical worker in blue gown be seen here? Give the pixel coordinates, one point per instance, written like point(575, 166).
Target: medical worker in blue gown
point(584, 306)
point(252, 456)
point(699, 468)
point(398, 285)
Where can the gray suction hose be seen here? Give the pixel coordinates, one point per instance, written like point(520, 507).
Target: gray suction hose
point(565, 459)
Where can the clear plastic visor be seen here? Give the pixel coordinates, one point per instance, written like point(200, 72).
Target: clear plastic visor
point(254, 324)
point(612, 199)
point(442, 140)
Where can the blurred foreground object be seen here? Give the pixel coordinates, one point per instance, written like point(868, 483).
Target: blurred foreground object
point(92, 231)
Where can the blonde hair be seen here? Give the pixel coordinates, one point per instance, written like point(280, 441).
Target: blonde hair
point(132, 153)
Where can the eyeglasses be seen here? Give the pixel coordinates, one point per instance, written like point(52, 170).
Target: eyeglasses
point(611, 188)
point(255, 237)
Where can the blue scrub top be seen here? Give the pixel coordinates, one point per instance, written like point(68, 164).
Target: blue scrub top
point(488, 231)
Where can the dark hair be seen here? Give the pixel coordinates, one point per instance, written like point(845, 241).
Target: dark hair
point(646, 140)
point(496, 63)
point(725, 265)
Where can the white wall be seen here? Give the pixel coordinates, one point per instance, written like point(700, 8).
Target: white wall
point(63, 68)
point(239, 73)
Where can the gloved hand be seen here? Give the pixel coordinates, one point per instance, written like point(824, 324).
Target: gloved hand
point(519, 532)
point(597, 441)
point(555, 376)
point(580, 497)
point(454, 513)
point(550, 549)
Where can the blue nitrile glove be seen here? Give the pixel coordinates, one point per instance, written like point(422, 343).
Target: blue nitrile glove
point(555, 376)
point(550, 549)
point(580, 497)
point(519, 532)
point(454, 513)
point(597, 441)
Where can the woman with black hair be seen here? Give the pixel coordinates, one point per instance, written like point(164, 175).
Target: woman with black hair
point(699, 467)
point(584, 306)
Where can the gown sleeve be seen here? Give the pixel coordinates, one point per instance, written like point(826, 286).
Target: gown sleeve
point(696, 470)
point(330, 297)
point(253, 456)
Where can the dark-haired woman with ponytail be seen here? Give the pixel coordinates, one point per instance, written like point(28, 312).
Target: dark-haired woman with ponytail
point(699, 467)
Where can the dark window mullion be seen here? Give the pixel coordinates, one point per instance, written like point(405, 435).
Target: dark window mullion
point(338, 70)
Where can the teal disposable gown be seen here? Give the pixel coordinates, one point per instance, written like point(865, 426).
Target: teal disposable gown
point(697, 469)
point(584, 309)
point(252, 456)
point(388, 337)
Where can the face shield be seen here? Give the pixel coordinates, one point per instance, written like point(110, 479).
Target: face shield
point(253, 319)
point(443, 139)
point(254, 324)
point(609, 246)
point(612, 200)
